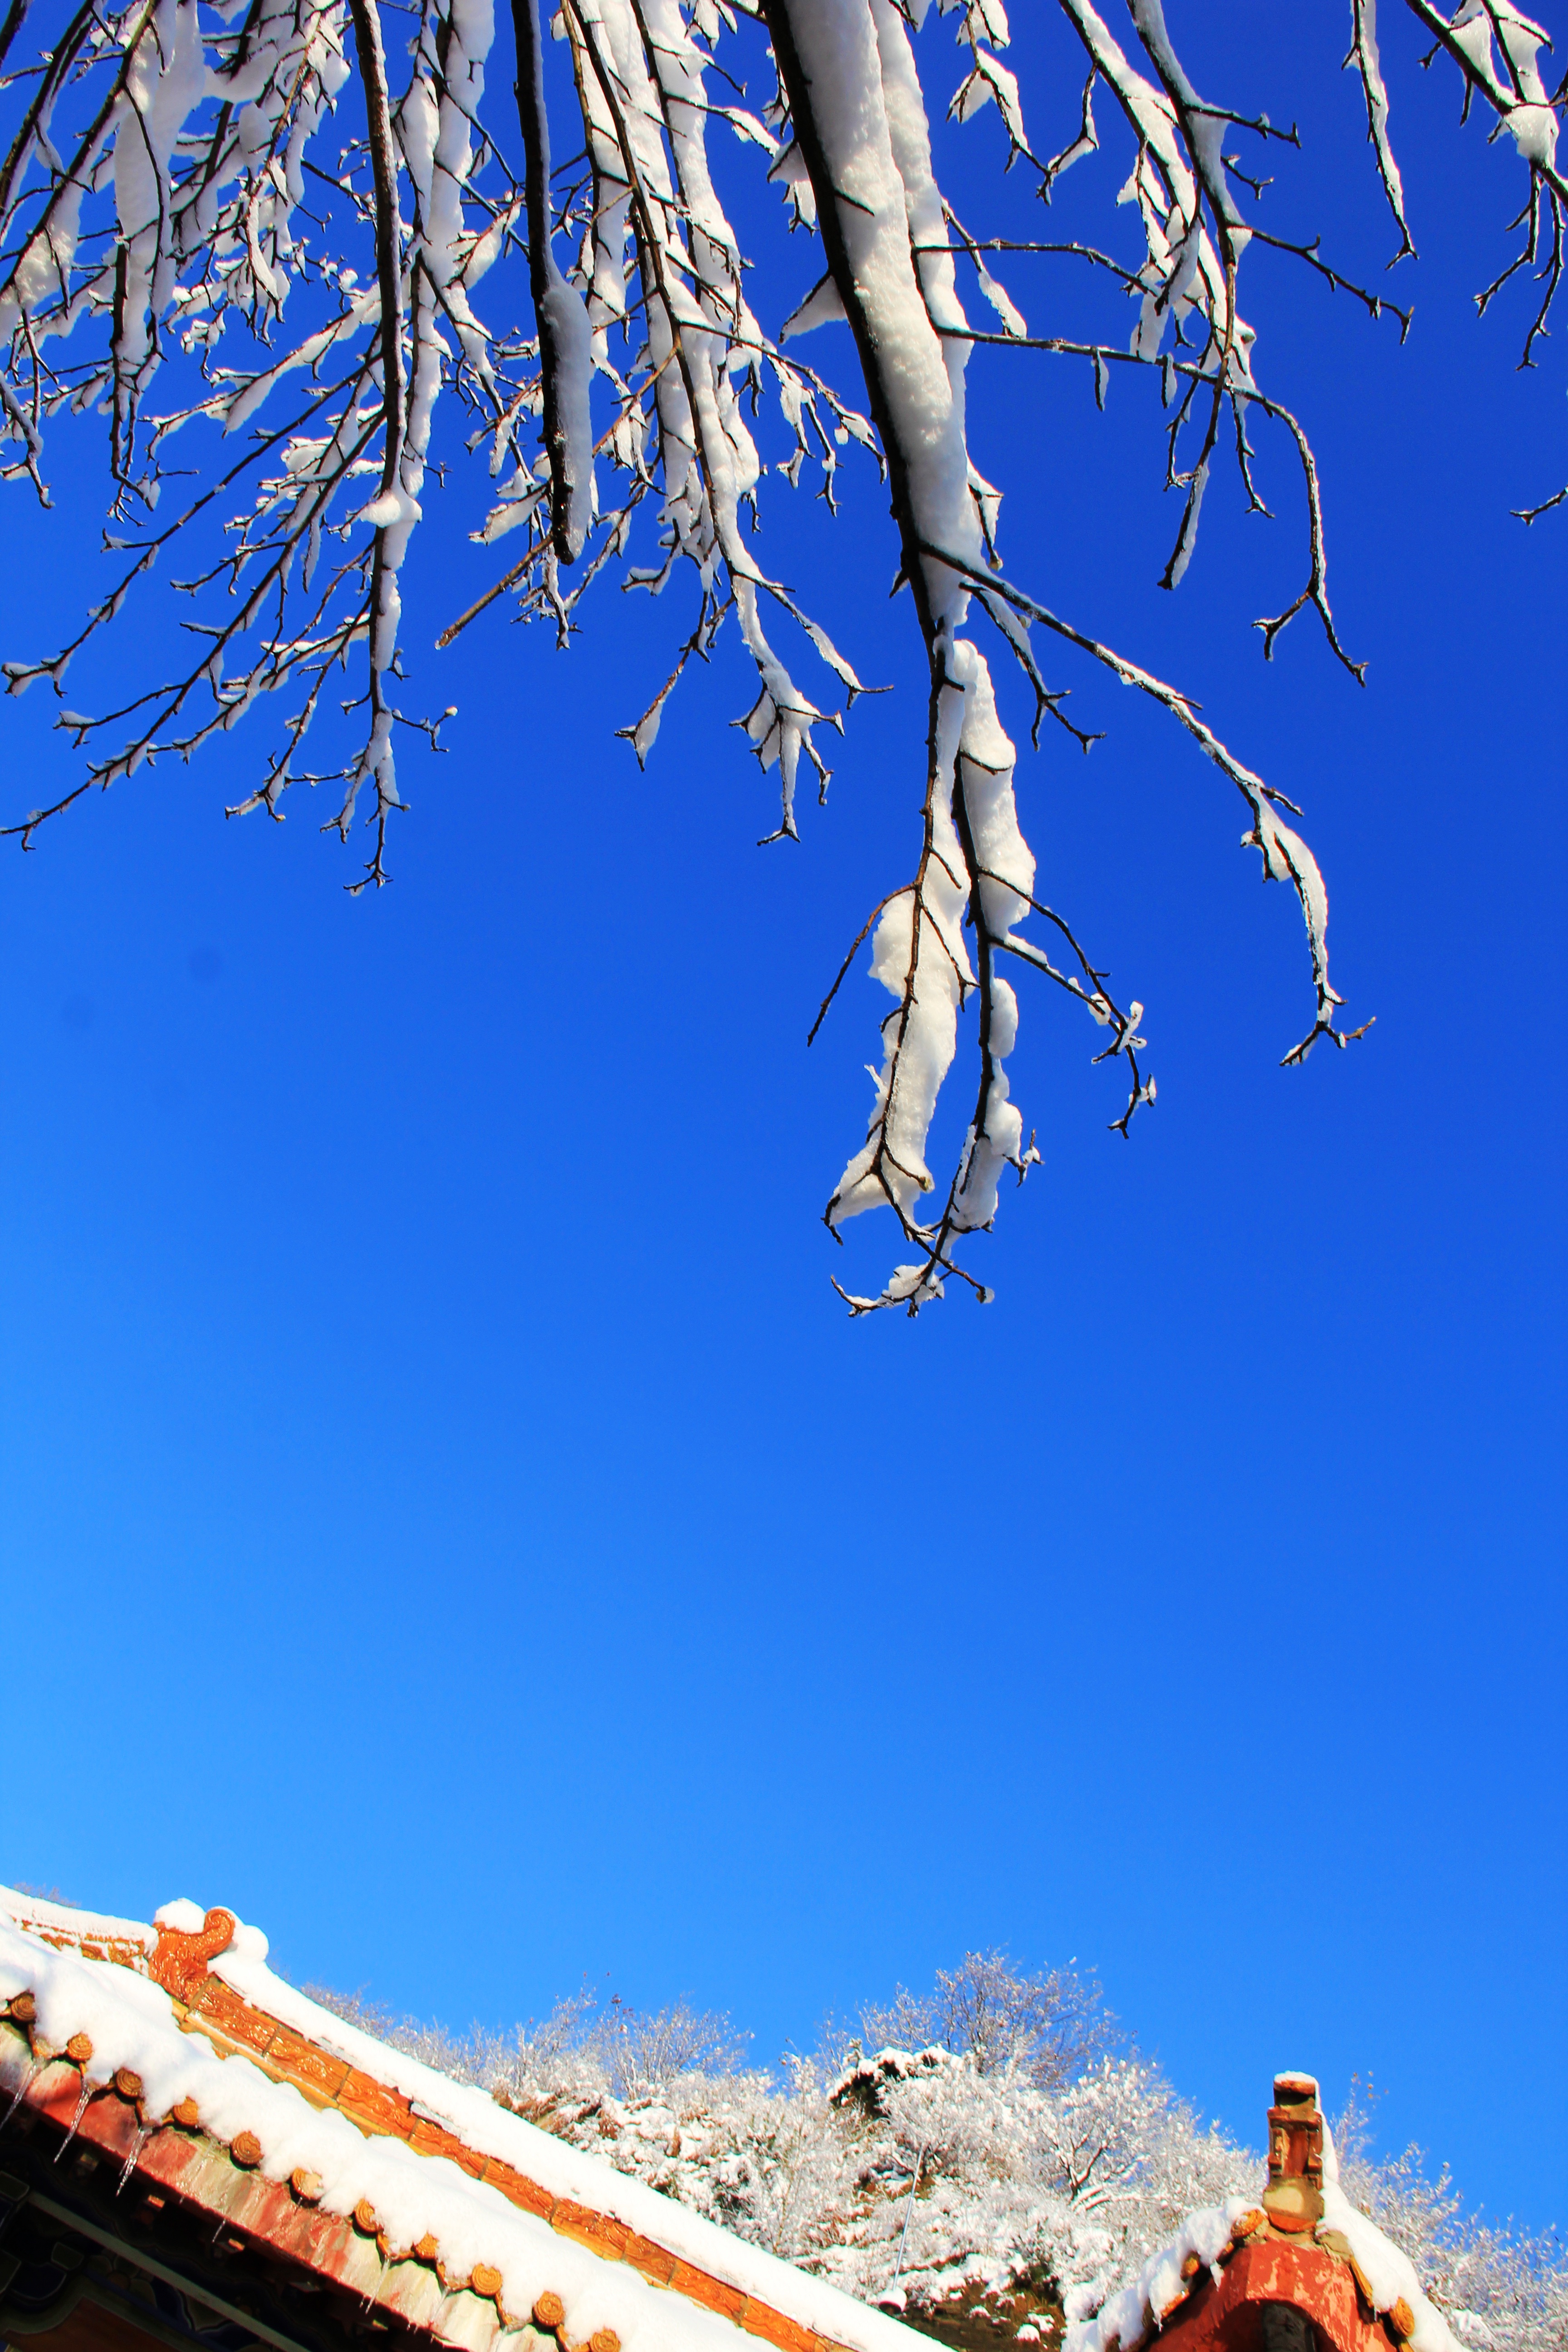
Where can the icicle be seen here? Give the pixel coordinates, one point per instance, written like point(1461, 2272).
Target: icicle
point(139, 2139)
point(81, 2107)
point(35, 2068)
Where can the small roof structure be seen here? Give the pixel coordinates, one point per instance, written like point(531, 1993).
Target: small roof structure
point(193, 2151)
point(1300, 2268)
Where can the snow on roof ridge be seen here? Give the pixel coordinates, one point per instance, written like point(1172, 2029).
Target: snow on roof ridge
point(469, 2113)
point(493, 2130)
point(1386, 2275)
point(35, 1911)
point(1126, 2316)
point(117, 2021)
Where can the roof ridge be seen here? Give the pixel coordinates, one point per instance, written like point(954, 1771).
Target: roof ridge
point(213, 1969)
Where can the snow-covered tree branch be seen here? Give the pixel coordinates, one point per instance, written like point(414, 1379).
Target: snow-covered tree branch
point(250, 236)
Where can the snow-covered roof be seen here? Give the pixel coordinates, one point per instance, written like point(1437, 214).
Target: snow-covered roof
point(1204, 2239)
point(1384, 2278)
point(185, 2023)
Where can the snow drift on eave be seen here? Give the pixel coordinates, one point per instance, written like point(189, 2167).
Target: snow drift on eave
point(131, 2024)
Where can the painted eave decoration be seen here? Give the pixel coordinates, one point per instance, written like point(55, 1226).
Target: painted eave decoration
point(174, 2054)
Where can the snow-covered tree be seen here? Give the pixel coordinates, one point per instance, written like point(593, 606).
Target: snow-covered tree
point(251, 235)
point(1045, 2026)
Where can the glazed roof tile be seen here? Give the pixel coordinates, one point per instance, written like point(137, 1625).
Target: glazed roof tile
point(176, 2045)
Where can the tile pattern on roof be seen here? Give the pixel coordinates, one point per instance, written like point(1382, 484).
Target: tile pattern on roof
point(230, 2115)
point(227, 2186)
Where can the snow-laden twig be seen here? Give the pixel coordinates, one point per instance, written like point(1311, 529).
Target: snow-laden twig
point(1363, 55)
point(174, 227)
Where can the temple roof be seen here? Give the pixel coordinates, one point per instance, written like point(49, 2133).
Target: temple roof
point(175, 2048)
point(1303, 2243)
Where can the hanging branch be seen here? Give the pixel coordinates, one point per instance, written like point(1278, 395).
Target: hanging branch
point(1364, 56)
point(198, 223)
point(560, 319)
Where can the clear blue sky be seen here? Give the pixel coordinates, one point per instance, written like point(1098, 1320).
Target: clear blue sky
point(447, 1514)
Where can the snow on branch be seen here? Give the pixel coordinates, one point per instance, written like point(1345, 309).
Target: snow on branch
point(252, 242)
